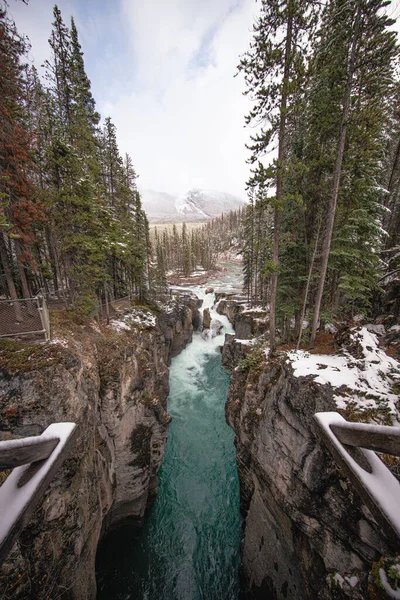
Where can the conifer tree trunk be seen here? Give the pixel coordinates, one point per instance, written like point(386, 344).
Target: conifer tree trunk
point(394, 169)
point(337, 175)
point(303, 308)
point(8, 275)
point(390, 200)
point(53, 261)
point(21, 269)
point(279, 181)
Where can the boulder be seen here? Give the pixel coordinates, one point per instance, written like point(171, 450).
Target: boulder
point(206, 319)
point(216, 327)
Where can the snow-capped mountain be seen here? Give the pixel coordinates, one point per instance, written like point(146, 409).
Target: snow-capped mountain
point(195, 205)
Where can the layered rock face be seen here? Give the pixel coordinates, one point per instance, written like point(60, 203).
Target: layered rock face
point(114, 385)
point(246, 322)
point(307, 535)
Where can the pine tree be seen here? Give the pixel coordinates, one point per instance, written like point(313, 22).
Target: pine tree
point(76, 196)
point(274, 71)
point(362, 75)
point(20, 210)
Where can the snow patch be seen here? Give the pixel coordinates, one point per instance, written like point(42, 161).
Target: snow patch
point(256, 309)
point(367, 381)
point(388, 588)
point(59, 342)
point(134, 318)
point(338, 579)
point(119, 325)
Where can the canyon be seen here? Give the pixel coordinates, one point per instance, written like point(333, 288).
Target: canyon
point(113, 382)
point(305, 532)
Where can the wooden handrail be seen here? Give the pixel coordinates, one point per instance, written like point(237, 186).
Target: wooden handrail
point(380, 438)
point(25, 485)
point(376, 485)
point(15, 453)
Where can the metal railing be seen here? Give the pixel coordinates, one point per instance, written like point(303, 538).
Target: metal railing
point(34, 462)
point(353, 446)
point(24, 317)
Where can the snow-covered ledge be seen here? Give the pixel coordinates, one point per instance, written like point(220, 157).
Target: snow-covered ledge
point(40, 458)
point(379, 489)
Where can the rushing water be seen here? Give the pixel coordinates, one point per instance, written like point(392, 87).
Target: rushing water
point(188, 548)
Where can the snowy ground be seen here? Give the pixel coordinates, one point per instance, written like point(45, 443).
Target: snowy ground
point(368, 382)
point(135, 318)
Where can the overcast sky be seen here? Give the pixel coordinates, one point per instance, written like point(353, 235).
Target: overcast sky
point(163, 70)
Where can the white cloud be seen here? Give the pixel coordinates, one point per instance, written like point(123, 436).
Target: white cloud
point(164, 71)
point(183, 122)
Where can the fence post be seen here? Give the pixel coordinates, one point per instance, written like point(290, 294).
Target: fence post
point(46, 319)
point(44, 316)
point(107, 309)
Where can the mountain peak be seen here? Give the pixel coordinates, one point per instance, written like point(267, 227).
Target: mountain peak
point(196, 205)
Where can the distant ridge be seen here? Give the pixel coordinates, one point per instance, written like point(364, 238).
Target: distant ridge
point(196, 205)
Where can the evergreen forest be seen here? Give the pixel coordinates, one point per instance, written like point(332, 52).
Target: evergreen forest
point(322, 229)
point(71, 217)
point(320, 235)
point(183, 251)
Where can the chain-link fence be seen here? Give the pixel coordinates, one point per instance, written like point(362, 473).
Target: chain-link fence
point(28, 317)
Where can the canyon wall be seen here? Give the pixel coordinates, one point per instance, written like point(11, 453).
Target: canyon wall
point(306, 532)
point(112, 382)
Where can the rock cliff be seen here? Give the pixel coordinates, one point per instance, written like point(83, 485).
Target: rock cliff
point(247, 322)
point(306, 533)
point(113, 382)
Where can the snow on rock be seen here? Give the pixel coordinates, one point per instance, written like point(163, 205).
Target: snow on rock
point(136, 317)
point(119, 325)
point(359, 318)
point(339, 580)
point(367, 380)
point(250, 342)
point(256, 309)
point(330, 328)
point(305, 324)
point(388, 588)
point(378, 329)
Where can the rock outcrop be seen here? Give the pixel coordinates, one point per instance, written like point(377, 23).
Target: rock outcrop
point(307, 535)
point(114, 385)
point(247, 323)
point(206, 319)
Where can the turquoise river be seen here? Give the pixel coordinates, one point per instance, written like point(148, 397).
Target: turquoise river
point(188, 548)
